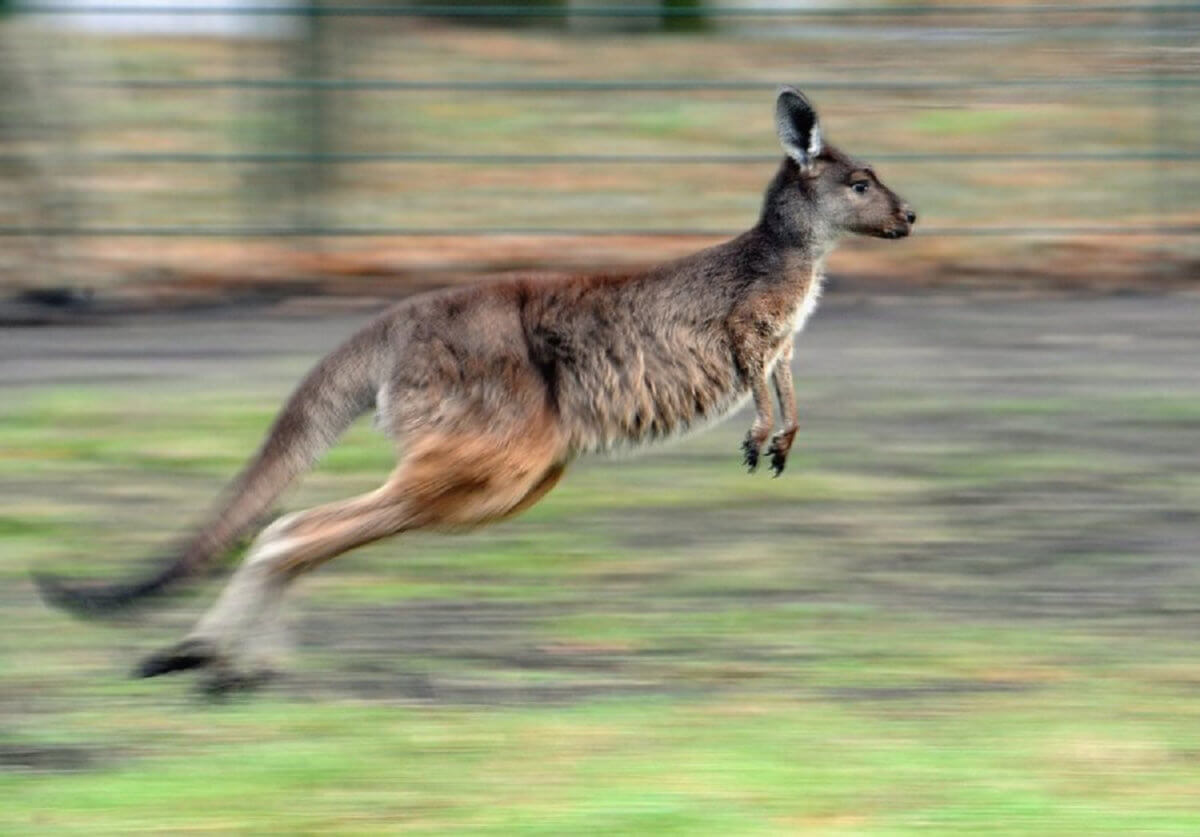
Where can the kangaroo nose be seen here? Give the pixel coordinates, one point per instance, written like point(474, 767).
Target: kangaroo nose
point(910, 216)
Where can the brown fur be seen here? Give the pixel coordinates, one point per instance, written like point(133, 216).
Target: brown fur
point(490, 391)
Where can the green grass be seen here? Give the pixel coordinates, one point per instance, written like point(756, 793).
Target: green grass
point(1070, 756)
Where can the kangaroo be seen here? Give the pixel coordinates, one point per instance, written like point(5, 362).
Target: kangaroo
point(491, 391)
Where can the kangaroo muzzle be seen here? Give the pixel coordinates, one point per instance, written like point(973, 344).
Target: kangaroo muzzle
point(904, 219)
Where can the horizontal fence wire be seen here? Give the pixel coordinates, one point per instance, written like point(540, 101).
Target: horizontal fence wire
point(598, 10)
point(1042, 231)
point(1158, 21)
point(402, 157)
point(632, 85)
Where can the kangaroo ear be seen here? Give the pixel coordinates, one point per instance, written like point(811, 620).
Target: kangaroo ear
point(799, 130)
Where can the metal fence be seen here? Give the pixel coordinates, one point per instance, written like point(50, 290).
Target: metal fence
point(1147, 168)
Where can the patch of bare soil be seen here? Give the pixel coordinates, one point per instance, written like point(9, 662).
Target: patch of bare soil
point(59, 758)
point(462, 652)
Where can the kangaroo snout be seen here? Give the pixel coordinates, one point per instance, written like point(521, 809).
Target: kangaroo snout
point(905, 218)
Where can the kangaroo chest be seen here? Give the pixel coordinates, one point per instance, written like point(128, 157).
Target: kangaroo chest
point(799, 311)
point(784, 310)
point(808, 301)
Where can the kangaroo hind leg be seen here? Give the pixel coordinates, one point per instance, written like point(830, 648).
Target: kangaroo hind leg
point(440, 483)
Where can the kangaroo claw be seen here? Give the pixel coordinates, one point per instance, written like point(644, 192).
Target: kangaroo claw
point(191, 653)
point(750, 454)
point(778, 457)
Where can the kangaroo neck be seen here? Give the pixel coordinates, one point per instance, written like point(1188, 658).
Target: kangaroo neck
point(796, 238)
point(789, 255)
point(790, 221)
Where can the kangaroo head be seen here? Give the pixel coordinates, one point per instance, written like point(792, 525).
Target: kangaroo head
point(821, 193)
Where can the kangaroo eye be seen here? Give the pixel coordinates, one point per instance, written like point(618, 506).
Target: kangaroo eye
point(860, 186)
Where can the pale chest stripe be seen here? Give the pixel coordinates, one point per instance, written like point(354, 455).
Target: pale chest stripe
point(808, 303)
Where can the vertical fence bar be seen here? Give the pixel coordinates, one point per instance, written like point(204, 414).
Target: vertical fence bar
point(35, 113)
point(1159, 181)
point(314, 123)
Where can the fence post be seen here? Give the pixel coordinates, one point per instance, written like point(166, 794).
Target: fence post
point(33, 73)
point(1159, 180)
point(314, 123)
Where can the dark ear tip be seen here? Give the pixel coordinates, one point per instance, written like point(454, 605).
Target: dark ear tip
point(787, 91)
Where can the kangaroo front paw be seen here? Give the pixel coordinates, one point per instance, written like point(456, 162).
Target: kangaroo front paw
point(781, 444)
point(778, 456)
point(750, 454)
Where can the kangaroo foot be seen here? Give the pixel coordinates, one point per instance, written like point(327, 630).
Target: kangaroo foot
point(778, 451)
point(188, 654)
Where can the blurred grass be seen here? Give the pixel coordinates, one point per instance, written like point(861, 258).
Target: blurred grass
point(970, 605)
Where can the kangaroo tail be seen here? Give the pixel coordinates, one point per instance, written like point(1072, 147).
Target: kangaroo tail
point(338, 390)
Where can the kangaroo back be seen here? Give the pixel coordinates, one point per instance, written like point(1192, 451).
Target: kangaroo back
point(338, 390)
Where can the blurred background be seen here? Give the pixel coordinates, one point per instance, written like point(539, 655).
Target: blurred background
point(971, 603)
point(234, 142)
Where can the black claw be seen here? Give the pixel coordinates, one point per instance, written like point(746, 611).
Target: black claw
point(778, 457)
point(186, 655)
point(750, 454)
